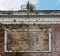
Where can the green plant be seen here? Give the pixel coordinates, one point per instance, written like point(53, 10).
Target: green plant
point(36, 12)
point(30, 7)
point(14, 20)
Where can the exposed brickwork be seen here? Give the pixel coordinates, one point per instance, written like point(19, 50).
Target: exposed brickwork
point(1, 43)
point(55, 45)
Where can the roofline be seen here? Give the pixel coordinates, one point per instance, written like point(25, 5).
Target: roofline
point(47, 13)
point(32, 11)
point(28, 16)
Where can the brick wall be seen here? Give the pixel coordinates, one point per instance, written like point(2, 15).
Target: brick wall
point(55, 45)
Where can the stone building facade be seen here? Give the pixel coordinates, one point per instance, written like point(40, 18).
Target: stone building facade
point(44, 21)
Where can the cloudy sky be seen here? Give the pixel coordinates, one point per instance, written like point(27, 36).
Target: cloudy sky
point(40, 4)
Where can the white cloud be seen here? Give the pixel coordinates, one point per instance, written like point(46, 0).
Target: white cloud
point(15, 4)
point(58, 1)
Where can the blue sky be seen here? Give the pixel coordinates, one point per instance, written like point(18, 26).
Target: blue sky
point(48, 5)
point(40, 4)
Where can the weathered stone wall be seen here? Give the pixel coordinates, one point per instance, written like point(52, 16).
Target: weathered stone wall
point(55, 45)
